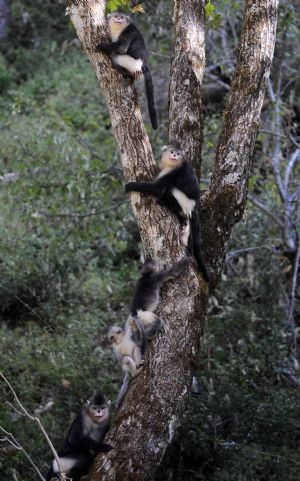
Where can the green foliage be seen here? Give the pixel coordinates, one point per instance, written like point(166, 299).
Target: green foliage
point(6, 75)
point(113, 5)
point(209, 9)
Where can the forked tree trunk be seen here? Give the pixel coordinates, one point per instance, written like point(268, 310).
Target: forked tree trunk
point(146, 424)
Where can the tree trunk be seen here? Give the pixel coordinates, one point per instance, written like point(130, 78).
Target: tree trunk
point(187, 67)
point(146, 424)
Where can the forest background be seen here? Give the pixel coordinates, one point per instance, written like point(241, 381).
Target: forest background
point(70, 248)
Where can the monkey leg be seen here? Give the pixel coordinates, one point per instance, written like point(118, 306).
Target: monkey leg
point(143, 341)
point(127, 65)
point(129, 366)
point(152, 323)
point(185, 230)
point(138, 359)
point(122, 70)
point(168, 200)
point(83, 462)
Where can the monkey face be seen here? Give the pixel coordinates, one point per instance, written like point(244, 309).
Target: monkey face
point(98, 413)
point(119, 19)
point(171, 158)
point(115, 334)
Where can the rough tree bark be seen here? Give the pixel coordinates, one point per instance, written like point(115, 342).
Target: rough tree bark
point(187, 67)
point(146, 424)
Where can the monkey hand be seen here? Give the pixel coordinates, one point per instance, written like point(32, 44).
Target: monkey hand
point(137, 74)
point(139, 368)
point(130, 186)
point(106, 448)
point(103, 47)
point(185, 261)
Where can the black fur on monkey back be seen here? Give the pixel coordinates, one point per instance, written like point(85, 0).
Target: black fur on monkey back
point(184, 178)
point(137, 48)
point(145, 290)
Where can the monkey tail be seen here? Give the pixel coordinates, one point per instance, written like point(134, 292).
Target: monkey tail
point(150, 96)
point(196, 243)
point(123, 391)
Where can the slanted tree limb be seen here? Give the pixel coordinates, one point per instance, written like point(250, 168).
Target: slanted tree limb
point(224, 205)
point(147, 422)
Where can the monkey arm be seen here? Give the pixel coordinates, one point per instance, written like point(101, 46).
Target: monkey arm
point(120, 46)
point(175, 271)
point(154, 188)
point(89, 443)
point(106, 47)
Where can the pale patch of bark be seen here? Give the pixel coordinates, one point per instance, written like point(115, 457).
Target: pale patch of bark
point(187, 67)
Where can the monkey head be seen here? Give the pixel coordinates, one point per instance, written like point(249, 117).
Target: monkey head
point(118, 19)
point(115, 334)
point(150, 267)
point(97, 408)
point(172, 155)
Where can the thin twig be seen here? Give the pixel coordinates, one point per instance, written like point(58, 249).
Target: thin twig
point(247, 249)
point(88, 214)
point(15, 443)
point(294, 158)
point(37, 420)
point(263, 208)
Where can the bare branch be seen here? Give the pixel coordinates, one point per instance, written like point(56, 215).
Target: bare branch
point(246, 249)
point(13, 441)
point(294, 158)
point(276, 156)
point(228, 188)
point(265, 209)
point(291, 320)
point(37, 420)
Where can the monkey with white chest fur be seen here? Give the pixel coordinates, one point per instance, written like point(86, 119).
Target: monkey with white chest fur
point(129, 343)
point(177, 188)
point(83, 441)
point(129, 55)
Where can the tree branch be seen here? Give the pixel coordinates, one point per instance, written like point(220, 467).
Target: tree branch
point(24, 412)
point(224, 205)
point(9, 438)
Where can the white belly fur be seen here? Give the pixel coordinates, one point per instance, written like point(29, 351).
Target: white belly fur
point(131, 64)
point(66, 464)
point(185, 203)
